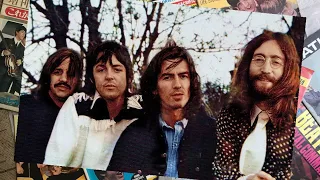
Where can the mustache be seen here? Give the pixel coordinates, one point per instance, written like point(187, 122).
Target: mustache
point(263, 77)
point(63, 84)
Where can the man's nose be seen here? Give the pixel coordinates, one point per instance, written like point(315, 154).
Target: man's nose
point(176, 83)
point(266, 68)
point(64, 77)
point(109, 74)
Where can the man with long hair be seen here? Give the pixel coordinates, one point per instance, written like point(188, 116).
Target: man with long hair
point(90, 123)
point(255, 131)
point(185, 134)
point(60, 77)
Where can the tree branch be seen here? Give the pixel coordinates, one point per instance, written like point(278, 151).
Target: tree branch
point(123, 38)
point(30, 76)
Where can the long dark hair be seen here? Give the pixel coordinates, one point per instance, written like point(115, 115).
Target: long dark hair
point(108, 48)
point(54, 60)
point(149, 80)
point(282, 102)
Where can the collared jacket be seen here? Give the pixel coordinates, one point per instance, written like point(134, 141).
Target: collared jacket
point(142, 148)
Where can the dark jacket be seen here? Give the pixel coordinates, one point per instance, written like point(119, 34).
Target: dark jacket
point(37, 116)
point(142, 148)
point(5, 79)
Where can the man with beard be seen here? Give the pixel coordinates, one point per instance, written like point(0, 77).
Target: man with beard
point(89, 124)
point(60, 77)
point(255, 131)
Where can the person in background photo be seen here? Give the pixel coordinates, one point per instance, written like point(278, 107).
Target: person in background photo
point(255, 131)
point(265, 6)
point(11, 82)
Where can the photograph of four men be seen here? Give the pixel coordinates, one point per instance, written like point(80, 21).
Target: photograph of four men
point(158, 89)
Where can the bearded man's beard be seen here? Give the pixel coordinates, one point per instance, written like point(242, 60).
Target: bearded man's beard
point(261, 92)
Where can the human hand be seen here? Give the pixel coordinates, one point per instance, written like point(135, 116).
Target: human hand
point(19, 168)
point(40, 165)
point(6, 52)
point(19, 62)
point(260, 176)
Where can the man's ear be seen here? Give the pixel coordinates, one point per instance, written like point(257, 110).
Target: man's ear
point(257, 5)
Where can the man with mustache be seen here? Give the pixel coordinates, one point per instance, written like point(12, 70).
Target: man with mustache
point(184, 137)
point(255, 131)
point(60, 78)
point(90, 123)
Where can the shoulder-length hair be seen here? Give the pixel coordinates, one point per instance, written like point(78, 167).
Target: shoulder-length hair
point(282, 101)
point(54, 60)
point(149, 80)
point(108, 48)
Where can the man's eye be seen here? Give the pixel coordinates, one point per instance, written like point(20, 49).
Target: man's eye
point(100, 69)
point(184, 76)
point(166, 77)
point(118, 70)
point(259, 59)
point(56, 72)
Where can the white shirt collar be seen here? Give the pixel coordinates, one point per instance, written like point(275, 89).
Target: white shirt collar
point(132, 101)
point(16, 40)
point(255, 112)
point(95, 97)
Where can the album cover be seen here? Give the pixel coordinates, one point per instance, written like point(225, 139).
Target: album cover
point(215, 40)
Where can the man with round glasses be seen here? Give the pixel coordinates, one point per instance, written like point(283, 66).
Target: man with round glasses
point(255, 131)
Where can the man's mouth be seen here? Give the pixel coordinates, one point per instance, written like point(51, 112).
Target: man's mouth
point(177, 95)
point(110, 85)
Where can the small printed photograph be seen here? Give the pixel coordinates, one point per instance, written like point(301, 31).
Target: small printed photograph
point(12, 46)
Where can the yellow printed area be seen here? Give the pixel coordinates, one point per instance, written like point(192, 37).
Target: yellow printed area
point(304, 81)
point(309, 129)
point(213, 3)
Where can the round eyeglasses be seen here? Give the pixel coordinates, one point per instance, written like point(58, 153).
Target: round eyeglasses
point(275, 63)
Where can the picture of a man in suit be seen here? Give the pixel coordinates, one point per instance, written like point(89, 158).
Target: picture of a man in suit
point(12, 47)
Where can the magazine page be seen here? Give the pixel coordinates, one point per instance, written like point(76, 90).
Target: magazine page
point(87, 129)
point(13, 23)
point(288, 7)
point(7, 165)
point(310, 60)
point(310, 10)
point(307, 146)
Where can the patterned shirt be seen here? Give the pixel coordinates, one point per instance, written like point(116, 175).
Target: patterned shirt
point(173, 137)
point(233, 127)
